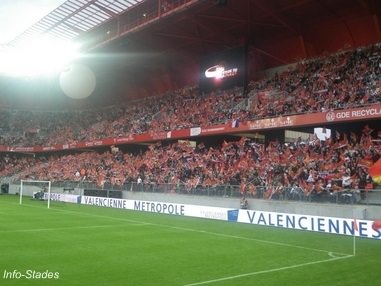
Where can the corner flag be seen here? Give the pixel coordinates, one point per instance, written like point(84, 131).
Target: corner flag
point(355, 225)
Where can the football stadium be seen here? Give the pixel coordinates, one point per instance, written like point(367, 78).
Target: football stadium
point(190, 142)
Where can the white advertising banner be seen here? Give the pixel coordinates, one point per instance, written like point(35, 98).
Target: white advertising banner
point(343, 226)
point(68, 198)
point(161, 207)
point(363, 228)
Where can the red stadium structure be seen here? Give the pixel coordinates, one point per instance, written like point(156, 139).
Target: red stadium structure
point(139, 49)
point(149, 47)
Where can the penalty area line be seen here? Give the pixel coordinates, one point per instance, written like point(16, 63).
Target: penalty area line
point(267, 271)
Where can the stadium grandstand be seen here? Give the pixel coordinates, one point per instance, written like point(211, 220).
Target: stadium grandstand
point(266, 105)
point(150, 58)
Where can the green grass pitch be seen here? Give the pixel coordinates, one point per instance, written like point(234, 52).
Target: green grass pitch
point(87, 245)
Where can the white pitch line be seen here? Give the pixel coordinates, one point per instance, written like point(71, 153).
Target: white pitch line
point(212, 233)
point(250, 238)
point(334, 254)
point(266, 271)
point(229, 236)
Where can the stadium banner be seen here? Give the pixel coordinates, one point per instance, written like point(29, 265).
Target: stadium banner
point(195, 131)
point(361, 113)
point(337, 116)
point(67, 198)
point(107, 202)
point(233, 215)
point(182, 209)
point(334, 225)
point(159, 207)
point(162, 207)
point(208, 212)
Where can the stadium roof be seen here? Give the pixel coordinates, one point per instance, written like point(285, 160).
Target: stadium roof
point(32, 11)
point(74, 17)
point(256, 21)
point(138, 48)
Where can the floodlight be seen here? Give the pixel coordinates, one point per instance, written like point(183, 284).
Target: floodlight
point(41, 56)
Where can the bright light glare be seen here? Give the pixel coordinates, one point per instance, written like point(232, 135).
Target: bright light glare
point(40, 57)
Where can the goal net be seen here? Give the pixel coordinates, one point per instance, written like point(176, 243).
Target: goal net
point(38, 190)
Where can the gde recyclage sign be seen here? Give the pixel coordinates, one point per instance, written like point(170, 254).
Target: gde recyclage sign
point(344, 226)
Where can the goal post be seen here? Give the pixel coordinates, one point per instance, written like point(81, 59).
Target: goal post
point(35, 188)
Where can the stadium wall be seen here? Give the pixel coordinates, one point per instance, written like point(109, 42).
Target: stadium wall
point(360, 211)
point(306, 208)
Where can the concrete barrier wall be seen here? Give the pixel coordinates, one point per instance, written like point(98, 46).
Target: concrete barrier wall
point(360, 211)
point(319, 209)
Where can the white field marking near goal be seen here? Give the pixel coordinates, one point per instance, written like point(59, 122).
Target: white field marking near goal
point(337, 254)
point(267, 271)
point(330, 253)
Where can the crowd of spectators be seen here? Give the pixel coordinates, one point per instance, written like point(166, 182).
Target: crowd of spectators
point(314, 166)
point(343, 80)
point(180, 109)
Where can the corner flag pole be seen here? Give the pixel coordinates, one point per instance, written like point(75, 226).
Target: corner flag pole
point(49, 193)
point(355, 229)
point(21, 192)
